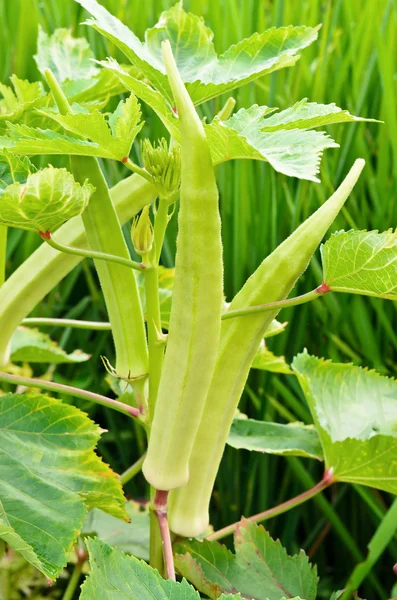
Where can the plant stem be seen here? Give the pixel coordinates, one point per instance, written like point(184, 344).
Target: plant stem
point(73, 581)
point(250, 310)
point(60, 388)
point(3, 253)
point(156, 347)
point(156, 559)
point(91, 253)
point(227, 109)
point(160, 510)
point(132, 471)
point(160, 226)
point(139, 170)
point(74, 323)
point(326, 481)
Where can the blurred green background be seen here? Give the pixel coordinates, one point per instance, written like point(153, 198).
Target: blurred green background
point(354, 65)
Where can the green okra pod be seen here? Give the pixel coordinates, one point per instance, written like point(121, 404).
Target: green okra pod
point(196, 306)
point(46, 267)
point(240, 339)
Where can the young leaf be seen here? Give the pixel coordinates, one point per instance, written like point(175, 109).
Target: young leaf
point(265, 360)
point(285, 139)
point(115, 575)
point(355, 414)
point(24, 96)
point(47, 199)
point(33, 346)
point(49, 476)
point(294, 439)
point(130, 537)
point(275, 328)
point(205, 74)
point(14, 169)
point(260, 569)
point(361, 262)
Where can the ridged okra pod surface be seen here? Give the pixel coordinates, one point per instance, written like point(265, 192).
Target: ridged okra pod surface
point(240, 339)
point(194, 329)
point(46, 267)
point(118, 283)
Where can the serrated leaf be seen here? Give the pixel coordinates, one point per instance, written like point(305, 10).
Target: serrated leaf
point(355, 413)
point(47, 199)
point(14, 169)
point(49, 476)
point(260, 569)
point(206, 74)
point(294, 439)
point(284, 139)
point(265, 360)
point(115, 575)
point(361, 262)
point(130, 537)
point(33, 346)
point(22, 97)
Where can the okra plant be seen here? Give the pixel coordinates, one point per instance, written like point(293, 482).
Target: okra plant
point(180, 366)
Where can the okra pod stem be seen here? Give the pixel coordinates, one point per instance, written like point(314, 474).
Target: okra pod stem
point(46, 267)
point(195, 319)
point(240, 339)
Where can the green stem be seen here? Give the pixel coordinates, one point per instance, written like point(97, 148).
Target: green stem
point(73, 581)
point(326, 481)
point(251, 310)
point(161, 512)
point(126, 262)
point(138, 170)
point(3, 253)
point(379, 542)
point(160, 226)
point(60, 388)
point(156, 559)
point(132, 471)
point(156, 345)
point(74, 323)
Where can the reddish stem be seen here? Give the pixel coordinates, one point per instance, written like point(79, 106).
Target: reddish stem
point(327, 480)
point(160, 510)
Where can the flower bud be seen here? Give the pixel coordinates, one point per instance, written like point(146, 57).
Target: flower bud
point(142, 232)
point(163, 165)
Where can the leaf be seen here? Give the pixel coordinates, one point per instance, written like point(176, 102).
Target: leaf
point(206, 74)
point(22, 97)
point(355, 414)
point(49, 476)
point(265, 360)
point(284, 139)
point(33, 346)
point(275, 328)
point(14, 169)
point(47, 199)
point(130, 537)
point(115, 575)
point(294, 439)
point(112, 138)
point(260, 569)
point(361, 262)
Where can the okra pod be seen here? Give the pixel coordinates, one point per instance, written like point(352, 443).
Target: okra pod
point(240, 339)
point(46, 267)
point(195, 318)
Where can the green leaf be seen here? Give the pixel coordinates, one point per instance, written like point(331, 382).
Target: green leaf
point(275, 328)
point(47, 199)
point(14, 169)
point(110, 138)
point(33, 346)
point(130, 537)
point(206, 74)
point(294, 439)
point(284, 139)
point(265, 360)
point(355, 414)
point(68, 57)
point(49, 477)
point(362, 262)
point(115, 575)
point(22, 97)
point(260, 569)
